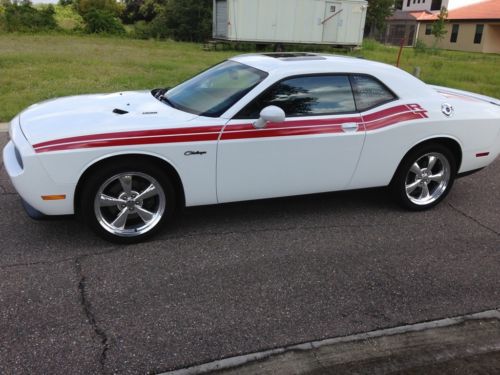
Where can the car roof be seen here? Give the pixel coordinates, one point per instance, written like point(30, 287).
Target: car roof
point(282, 65)
point(300, 61)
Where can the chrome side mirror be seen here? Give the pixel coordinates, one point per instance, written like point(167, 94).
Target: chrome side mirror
point(269, 114)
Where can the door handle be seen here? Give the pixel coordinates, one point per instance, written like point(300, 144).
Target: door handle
point(350, 127)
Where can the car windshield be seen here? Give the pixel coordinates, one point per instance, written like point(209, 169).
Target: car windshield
point(215, 90)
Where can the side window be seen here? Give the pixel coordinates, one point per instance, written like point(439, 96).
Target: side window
point(305, 96)
point(369, 92)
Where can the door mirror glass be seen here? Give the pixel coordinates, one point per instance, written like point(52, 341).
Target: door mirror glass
point(271, 113)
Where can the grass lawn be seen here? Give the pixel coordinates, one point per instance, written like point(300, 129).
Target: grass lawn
point(37, 67)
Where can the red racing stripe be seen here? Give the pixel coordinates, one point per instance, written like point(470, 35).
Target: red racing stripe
point(264, 133)
point(394, 119)
point(296, 123)
point(131, 142)
point(373, 121)
point(132, 134)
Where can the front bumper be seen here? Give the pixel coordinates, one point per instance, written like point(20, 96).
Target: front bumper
point(31, 180)
point(32, 212)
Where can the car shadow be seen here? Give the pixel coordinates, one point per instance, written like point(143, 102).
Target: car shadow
point(222, 217)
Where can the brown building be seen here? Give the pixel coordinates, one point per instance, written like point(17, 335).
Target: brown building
point(474, 27)
point(403, 27)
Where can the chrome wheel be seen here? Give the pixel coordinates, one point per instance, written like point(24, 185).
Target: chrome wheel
point(129, 204)
point(428, 178)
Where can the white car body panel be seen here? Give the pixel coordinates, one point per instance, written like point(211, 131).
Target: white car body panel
point(280, 166)
point(59, 140)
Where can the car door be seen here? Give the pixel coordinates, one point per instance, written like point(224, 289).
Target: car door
point(315, 150)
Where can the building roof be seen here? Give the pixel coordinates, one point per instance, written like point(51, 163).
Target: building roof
point(421, 15)
point(484, 10)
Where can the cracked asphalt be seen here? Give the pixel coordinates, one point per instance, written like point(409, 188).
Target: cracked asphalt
point(239, 278)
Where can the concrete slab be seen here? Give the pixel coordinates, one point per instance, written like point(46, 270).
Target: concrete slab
point(472, 340)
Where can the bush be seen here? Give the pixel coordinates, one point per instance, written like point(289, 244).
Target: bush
point(189, 20)
point(24, 18)
point(420, 47)
point(110, 6)
point(67, 18)
point(184, 20)
point(102, 21)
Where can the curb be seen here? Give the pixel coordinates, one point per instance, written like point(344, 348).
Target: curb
point(248, 359)
point(4, 126)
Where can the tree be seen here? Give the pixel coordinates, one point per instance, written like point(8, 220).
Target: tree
point(110, 6)
point(23, 17)
point(189, 20)
point(102, 21)
point(377, 14)
point(439, 26)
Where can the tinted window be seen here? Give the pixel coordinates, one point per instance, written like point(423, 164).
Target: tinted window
point(305, 96)
point(369, 93)
point(212, 92)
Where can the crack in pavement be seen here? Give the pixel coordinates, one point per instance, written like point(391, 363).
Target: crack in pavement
point(40, 263)
point(89, 313)
point(464, 214)
point(71, 259)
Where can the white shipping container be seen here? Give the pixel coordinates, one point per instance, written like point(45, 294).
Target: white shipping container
point(331, 22)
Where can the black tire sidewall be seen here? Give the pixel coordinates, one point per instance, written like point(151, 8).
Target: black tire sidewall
point(398, 184)
point(99, 175)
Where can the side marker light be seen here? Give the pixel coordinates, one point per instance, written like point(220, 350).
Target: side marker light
point(53, 197)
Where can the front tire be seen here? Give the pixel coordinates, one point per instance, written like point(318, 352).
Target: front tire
point(424, 177)
point(127, 201)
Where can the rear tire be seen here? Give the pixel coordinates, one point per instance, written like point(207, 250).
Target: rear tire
point(424, 177)
point(127, 201)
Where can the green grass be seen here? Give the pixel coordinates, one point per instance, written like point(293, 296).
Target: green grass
point(37, 67)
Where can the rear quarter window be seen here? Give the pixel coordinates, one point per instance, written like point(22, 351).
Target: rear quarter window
point(369, 92)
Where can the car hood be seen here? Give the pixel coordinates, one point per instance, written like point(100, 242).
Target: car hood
point(100, 113)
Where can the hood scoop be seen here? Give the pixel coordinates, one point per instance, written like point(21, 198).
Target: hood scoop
point(119, 111)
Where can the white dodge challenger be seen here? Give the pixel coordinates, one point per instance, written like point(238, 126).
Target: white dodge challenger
point(252, 127)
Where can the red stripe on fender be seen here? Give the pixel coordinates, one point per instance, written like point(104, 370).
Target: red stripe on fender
point(386, 112)
point(132, 142)
point(482, 154)
point(131, 134)
point(382, 123)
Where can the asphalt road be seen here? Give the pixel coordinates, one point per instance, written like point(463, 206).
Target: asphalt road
point(238, 278)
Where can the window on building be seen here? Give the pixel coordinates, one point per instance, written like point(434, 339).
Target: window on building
point(454, 33)
point(479, 34)
point(428, 29)
point(436, 4)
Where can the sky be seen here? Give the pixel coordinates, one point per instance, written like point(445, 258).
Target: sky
point(44, 1)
